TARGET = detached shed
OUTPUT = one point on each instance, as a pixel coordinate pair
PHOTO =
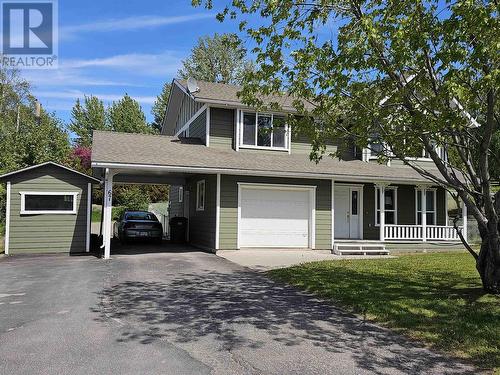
(49, 210)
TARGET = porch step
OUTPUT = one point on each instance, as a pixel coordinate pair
(359, 248)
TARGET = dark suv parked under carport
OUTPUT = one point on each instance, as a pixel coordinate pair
(138, 225)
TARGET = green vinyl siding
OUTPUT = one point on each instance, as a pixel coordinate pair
(176, 207)
(229, 207)
(222, 134)
(302, 145)
(187, 110)
(47, 233)
(202, 223)
(198, 128)
(221, 128)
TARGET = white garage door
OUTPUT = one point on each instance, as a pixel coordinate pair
(275, 217)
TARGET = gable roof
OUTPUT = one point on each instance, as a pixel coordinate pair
(5, 176)
(223, 93)
(217, 94)
(159, 152)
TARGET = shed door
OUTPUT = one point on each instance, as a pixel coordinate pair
(275, 218)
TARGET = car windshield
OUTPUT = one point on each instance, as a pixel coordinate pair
(140, 216)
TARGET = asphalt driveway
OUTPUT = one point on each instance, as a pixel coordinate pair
(184, 313)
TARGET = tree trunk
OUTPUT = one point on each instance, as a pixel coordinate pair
(488, 262)
(488, 265)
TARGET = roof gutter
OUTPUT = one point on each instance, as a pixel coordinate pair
(252, 172)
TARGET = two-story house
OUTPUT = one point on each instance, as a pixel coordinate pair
(244, 180)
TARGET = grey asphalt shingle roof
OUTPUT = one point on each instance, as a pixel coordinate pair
(210, 91)
(160, 150)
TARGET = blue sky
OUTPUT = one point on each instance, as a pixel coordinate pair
(109, 48)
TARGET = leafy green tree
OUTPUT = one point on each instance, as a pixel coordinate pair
(221, 58)
(25, 138)
(159, 107)
(126, 115)
(87, 117)
(407, 74)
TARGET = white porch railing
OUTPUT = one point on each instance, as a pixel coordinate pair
(415, 232)
(441, 232)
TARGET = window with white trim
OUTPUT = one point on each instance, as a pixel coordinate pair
(430, 206)
(180, 193)
(391, 205)
(262, 130)
(34, 203)
(200, 195)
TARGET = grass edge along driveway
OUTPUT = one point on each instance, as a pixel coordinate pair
(435, 298)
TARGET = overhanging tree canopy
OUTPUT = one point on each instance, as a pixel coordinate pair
(408, 74)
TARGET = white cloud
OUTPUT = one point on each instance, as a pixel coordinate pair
(74, 94)
(71, 77)
(129, 23)
(163, 64)
(108, 71)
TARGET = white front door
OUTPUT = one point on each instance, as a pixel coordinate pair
(347, 212)
(274, 217)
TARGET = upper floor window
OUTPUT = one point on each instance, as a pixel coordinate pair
(376, 148)
(261, 130)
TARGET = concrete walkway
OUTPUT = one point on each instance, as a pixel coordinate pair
(266, 259)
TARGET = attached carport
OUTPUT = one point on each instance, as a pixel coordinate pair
(112, 174)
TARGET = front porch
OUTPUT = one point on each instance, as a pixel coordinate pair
(409, 213)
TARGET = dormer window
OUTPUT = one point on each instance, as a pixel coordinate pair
(263, 130)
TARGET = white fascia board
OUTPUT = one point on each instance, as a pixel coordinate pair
(49, 163)
(244, 172)
(183, 89)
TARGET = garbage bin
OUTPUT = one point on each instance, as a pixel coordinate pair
(178, 229)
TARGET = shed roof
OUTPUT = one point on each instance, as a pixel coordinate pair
(111, 149)
(6, 176)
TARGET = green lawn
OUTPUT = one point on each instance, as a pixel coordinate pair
(436, 298)
(96, 216)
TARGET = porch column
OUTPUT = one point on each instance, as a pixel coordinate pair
(424, 213)
(381, 219)
(464, 220)
(217, 214)
(108, 203)
(332, 211)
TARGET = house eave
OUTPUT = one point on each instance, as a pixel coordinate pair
(261, 173)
